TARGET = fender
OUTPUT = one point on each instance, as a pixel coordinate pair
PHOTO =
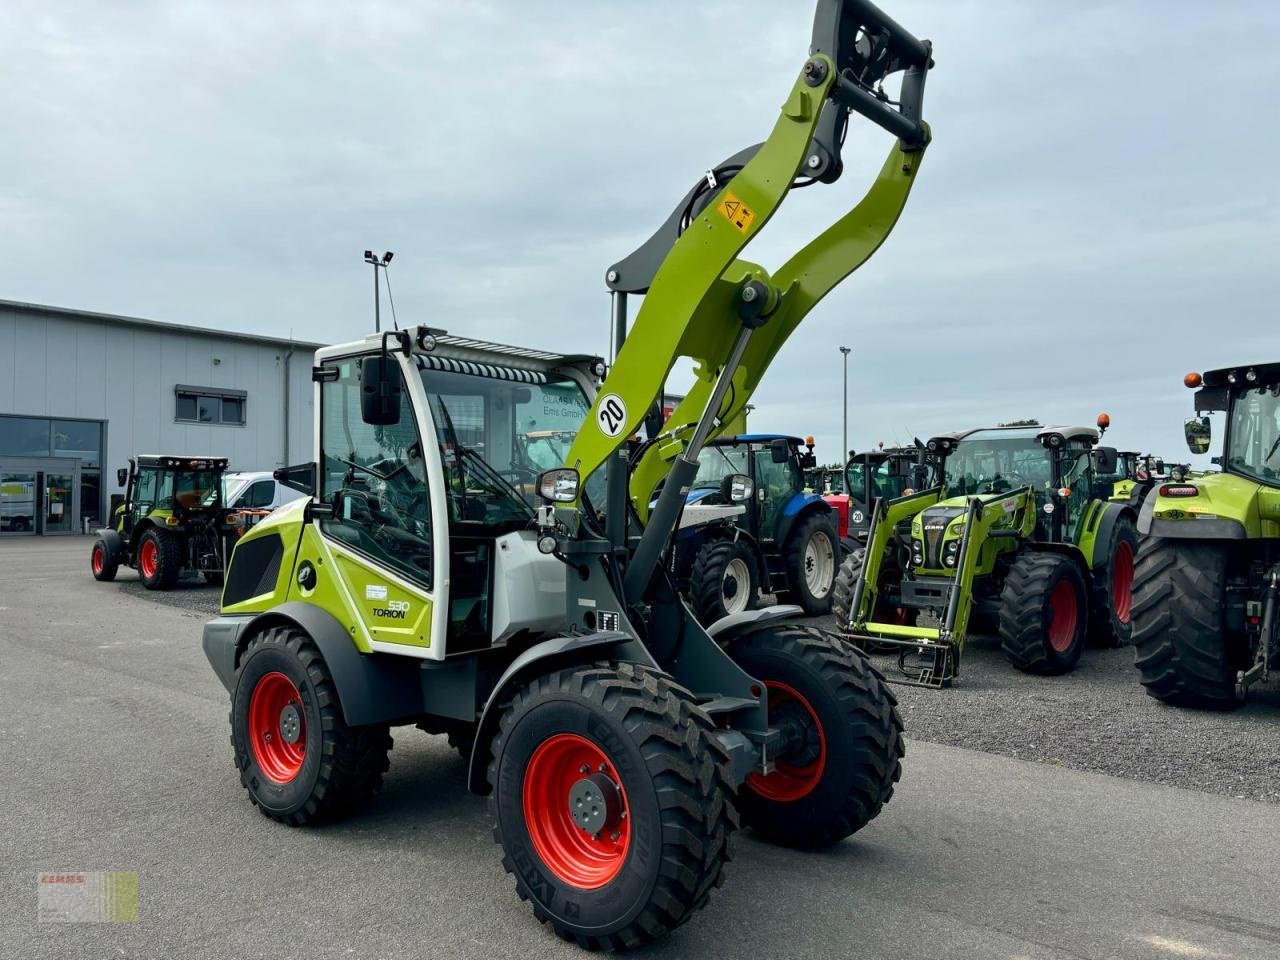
(1220, 529)
(115, 545)
(1112, 513)
(749, 621)
(1069, 550)
(372, 688)
(539, 659)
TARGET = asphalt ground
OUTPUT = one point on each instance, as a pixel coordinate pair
(116, 758)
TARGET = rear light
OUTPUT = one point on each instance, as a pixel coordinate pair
(171, 521)
(234, 519)
(1179, 490)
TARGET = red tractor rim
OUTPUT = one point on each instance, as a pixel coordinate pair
(556, 770)
(277, 728)
(97, 559)
(1122, 581)
(1064, 614)
(789, 783)
(147, 557)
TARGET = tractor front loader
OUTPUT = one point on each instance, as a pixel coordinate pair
(439, 578)
(1020, 535)
(1206, 614)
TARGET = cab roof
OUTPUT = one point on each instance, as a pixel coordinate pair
(1265, 372)
(758, 438)
(181, 461)
(1087, 434)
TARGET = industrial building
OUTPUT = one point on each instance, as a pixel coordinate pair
(80, 392)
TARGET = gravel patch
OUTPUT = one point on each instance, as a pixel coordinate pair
(1098, 718)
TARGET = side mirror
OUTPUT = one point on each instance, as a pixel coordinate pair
(808, 461)
(1198, 431)
(779, 451)
(122, 477)
(379, 391)
(737, 488)
(300, 477)
(1104, 459)
(560, 485)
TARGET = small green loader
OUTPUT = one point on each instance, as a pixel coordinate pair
(425, 584)
(1019, 536)
(172, 520)
(1207, 583)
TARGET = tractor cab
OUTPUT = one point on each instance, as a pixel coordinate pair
(172, 519)
(884, 473)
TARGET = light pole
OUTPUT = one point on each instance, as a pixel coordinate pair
(844, 450)
(377, 293)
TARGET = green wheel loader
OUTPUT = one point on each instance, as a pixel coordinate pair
(437, 578)
(1208, 573)
(1019, 538)
(172, 520)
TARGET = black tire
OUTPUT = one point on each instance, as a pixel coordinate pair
(1111, 606)
(846, 582)
(818, 529)
(167, 566)
(341, 767)
(1180, 646)
(849, 773)
(212, 577)
(1042, 630)
(715, 580)
(102, 563)
(661, 749)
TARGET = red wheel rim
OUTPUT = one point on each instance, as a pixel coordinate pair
(147, 558)
(276, 717)
(575, 856)
(1122, 581)
(97, 559)
(789, 783)
(1064, 614)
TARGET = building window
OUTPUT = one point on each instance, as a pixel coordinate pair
(209, 405)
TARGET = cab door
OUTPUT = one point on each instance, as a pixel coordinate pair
(379, 543)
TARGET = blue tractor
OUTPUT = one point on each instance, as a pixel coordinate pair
(781, 539)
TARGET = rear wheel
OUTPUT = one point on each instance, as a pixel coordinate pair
(101, 561)
(296, 755)
(159, 562)
(844, 746)
(1182, 651)
(723, 580)
(610, 801)
(1111, 615)
(812, 558)
(1043, 612)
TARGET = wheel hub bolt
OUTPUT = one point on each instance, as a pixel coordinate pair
(595, 804)
(290, 724)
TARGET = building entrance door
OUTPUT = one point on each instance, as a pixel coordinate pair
(39, 495)
(17, 503)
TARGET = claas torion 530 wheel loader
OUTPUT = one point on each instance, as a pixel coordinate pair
(436, 578)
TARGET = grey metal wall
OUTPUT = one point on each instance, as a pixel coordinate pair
(102, 369)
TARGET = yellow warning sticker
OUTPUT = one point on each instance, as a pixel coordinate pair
(736, 212)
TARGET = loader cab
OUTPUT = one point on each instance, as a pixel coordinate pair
(441, 492)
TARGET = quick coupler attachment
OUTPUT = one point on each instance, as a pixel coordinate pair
(922, 661)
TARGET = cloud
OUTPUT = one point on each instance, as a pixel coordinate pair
(1097, 215)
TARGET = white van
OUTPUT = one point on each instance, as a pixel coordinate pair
(255, 491)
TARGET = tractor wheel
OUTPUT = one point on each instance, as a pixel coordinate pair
(611, 803)
(812, 559)
(844, 737)
(101, 562)
(1110, 616)
(1043, 612)
(159, 561)
(213, 577)
(842, 599)
(296, 755)
(723, 580)
(1181, 647)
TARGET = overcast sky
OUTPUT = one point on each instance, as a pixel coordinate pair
(1098, 214)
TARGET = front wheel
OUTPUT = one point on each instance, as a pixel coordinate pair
(812, 557)
(1044, 609)
(843, 737)
(101, 561)
(610, 800)
(723, 580)
(296, 755)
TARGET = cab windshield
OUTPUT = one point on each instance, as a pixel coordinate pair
(496, 435)
(997, 465)
(1253, 433)
(718, 462)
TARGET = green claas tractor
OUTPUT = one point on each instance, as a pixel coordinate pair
(620, 742)
(1134, 477)
(1208, 576)
(1018, 536)
(172, 520)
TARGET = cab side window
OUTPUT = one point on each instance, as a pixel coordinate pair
(375, 479)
